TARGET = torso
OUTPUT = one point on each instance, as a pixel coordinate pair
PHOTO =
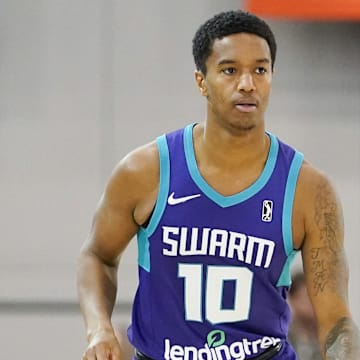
(162, 262)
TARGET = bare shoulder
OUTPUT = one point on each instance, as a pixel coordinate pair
(316, 192)
(315, 195)
(135, 178)
(312, 176)
(142, 161)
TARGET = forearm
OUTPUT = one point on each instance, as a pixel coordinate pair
(97, 286)
(343, 341)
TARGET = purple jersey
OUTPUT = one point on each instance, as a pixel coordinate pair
(214, 270)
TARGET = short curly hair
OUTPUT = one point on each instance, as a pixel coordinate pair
(224, 24)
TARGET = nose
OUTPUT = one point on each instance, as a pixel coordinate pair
(246, 83)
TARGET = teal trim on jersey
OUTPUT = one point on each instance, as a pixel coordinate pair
(164, 183)
(226, 201)
(289, 201)
(285, 277)
(143, 249)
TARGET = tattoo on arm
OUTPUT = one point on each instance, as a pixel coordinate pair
(343, 341)
(319, 269)
(327, 259)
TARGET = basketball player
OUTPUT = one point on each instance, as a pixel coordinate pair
(220, 208)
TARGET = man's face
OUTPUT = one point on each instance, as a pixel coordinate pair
(238, 80)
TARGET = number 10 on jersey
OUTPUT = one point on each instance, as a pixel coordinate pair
(213, 290)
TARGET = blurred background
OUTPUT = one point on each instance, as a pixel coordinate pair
(83, 82)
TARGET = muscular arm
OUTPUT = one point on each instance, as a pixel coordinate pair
(326, 268)
(112, 229)
(127, 202)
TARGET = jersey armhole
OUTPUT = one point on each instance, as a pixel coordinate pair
(285, 276)
(144, 233)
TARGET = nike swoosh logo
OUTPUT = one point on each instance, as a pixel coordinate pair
(174, 201)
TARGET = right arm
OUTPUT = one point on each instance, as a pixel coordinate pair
(126, 203)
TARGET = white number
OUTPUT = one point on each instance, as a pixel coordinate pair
(216, 276)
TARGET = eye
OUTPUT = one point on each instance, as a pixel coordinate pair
(229, 70)
(261, 70)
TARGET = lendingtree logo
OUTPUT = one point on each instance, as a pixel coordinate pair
(215, 338)
(215, 348)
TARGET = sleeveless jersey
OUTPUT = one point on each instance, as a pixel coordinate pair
(214, 270)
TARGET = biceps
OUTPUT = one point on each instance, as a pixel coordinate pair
(111, 232)
(323, 250)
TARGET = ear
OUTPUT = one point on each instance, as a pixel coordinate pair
(201, 82)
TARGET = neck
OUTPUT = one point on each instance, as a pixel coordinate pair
(235, 147)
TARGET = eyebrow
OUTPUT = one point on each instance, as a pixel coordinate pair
(263, 60)
(228, 61)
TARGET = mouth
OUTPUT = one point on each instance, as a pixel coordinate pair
(246, 106)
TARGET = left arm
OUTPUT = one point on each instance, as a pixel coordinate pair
(325, 266)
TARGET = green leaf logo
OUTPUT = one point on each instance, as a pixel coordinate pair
(215, 338)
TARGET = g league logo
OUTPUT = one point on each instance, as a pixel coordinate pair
(267, 211)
